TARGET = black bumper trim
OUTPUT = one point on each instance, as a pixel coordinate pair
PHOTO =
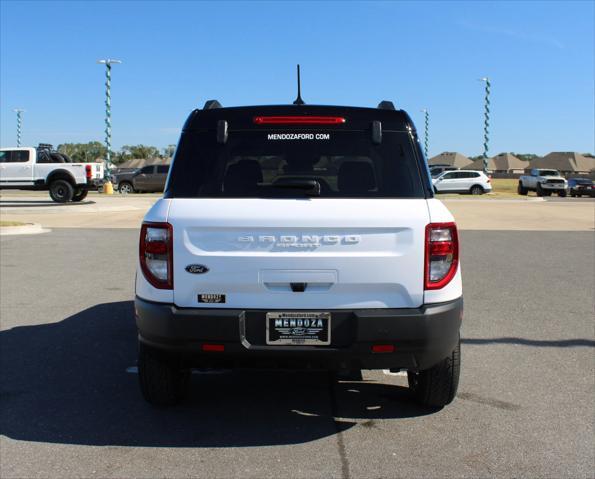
(421, 336)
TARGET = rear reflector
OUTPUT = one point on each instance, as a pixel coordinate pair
(299, 120)
(383, 348)
(219, 348)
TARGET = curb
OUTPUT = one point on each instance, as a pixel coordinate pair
(27, 229)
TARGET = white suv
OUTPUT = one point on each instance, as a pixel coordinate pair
(299, 237)
(463, 181)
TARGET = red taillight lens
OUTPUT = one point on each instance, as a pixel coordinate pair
(442, 254)
(89, 171)
(299, 120)
(156, 254)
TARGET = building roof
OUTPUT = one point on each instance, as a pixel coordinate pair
(564, 161)
(451, 159)
(502, 161)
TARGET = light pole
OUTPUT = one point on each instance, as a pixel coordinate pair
(426, 130)
(108, 111)
(19, 112)
(486, 124)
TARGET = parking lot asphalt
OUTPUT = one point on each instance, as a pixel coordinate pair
(471, 213)
(70, 404)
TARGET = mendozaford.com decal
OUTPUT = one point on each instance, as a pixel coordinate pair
(299, 136)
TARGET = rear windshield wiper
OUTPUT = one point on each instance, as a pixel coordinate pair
(309, 187)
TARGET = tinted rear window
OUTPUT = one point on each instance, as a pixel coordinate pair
(261, 164)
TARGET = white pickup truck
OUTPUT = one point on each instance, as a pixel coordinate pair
(543, 182)
(43, 169)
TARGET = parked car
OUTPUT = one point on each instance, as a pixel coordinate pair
(42, 168)
(299, 237)
(146, 179)
(581, 186)
(437, 170)
(543, 182)
(462, 181)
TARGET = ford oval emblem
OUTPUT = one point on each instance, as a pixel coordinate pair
(197, 268)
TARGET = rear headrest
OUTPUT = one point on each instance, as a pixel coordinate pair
(356, 177)
(243, 177)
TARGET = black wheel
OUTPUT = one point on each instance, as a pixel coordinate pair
(80, 195)
(61, 191)
(164, 381)
(437, 386)
(562, 194)
(476, 190)
(125, 188)
(539, 190)
(573, 195)
(521, 190)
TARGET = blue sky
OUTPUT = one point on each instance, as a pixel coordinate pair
(539, 56)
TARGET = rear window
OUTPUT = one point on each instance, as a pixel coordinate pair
(269, 164)
(15, 156)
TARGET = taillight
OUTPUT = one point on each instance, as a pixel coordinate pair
(89, 171)
(442, 254)
(299, 120)
(156, 254)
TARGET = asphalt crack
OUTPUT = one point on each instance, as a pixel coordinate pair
(345, 473)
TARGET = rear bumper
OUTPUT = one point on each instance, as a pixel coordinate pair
(421, 336)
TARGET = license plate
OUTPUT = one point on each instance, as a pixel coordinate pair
(298, 328)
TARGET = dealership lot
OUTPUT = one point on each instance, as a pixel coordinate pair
(70, 405)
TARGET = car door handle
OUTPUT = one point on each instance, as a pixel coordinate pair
(26, 167)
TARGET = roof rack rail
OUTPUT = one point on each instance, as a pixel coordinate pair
(211, 104)
(386, 105)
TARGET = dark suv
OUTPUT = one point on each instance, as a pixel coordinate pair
(146, 179)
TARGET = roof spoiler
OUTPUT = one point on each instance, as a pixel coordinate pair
(386, 105)
(211, 105)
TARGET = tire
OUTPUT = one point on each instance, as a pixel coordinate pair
(539, 190)
(562, 194)
(80, 195)
(521, 190)
(163, 380)
(126, 188)
(437, 386)
(476, 190)
(574, 195)
(61, 191)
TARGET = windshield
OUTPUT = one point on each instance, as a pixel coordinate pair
(270, 164)
(548, 173)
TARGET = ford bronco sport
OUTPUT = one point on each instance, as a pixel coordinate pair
(299, 236)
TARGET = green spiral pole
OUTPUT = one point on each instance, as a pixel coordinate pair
(486, 124)
(108, 112)
(426, 130)
(19, 113)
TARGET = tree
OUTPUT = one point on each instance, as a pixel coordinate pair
(133, 152)
(84, 152)
(168, 151)
(525, 156)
